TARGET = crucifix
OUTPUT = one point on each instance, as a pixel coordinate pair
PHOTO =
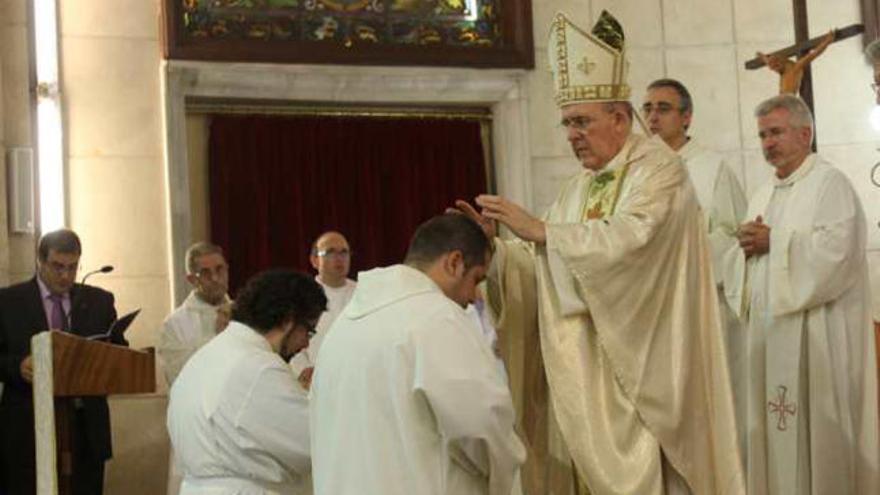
(799, 79)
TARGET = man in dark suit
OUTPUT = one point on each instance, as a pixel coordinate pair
(51, 300)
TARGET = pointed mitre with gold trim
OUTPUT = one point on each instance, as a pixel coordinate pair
(588, 67)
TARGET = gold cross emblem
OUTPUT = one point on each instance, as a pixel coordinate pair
(586, 66)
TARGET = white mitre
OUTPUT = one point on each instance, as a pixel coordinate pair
(588, 67)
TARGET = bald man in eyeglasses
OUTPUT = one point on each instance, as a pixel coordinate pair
(331, 258)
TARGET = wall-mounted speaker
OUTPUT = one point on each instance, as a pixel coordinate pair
(20, 190)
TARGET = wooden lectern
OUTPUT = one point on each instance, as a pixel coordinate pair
(68, 366)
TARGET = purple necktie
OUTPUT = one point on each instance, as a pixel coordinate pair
(59, 319)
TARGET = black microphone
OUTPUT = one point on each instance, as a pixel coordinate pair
(74, 303)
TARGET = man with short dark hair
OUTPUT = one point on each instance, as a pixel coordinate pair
(236, 420)
(799, 281)
(51, 300)
(406, 397)
(668, 110)
(197, 320)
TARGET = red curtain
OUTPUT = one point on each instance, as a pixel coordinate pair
(276, 183)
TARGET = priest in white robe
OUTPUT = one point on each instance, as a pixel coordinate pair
(799, 280)
(406, 398)
(668, 110)
(197, 320)
(626, 301)
(202, 315)
(331, 258)
(236, 418)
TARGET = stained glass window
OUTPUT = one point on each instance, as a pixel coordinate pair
(347, 23)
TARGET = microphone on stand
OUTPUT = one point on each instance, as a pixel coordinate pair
(74, 302)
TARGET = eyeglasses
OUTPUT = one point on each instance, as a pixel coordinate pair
(310, 327)
(578, 122)
(212, 274)
(333, 253)
(660, 108)
(61, 268)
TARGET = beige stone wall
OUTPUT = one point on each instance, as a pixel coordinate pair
(116, 184)
(197, 129)
(16, 250)
(113, 121)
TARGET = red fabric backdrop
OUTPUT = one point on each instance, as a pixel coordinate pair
(276, 183)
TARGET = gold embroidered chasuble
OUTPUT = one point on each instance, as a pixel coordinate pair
(629, 327)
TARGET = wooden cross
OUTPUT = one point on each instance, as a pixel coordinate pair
(802, 45)
(781, 408)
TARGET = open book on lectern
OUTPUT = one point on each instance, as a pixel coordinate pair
(117, 327)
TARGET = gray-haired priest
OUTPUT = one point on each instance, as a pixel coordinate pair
(799, 280)
(626, 303)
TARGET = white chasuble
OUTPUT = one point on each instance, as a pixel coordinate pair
(811, 403)
(407, 398)
(630, 329)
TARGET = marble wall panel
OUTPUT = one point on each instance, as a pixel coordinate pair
(645, 66)
(13, 12)
(549, 176)
(16, 85)
(111, 91)
(769, 23)
(119, 18)
(641, 19)
(546, 137)
(544, 10)
(710, 74)
(842, 95)
(697, 22)
(755, 86)
(116, 206)
(823, 15)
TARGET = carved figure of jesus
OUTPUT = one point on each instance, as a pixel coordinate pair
(791, 73)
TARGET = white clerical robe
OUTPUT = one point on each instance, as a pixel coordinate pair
(812, 379)
(406, 399)
(630, 329)
(720, 195)
(724, 205)
(237, 421)
(337, 299)
(184, 331)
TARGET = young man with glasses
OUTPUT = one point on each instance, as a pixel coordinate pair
(331, 258)
(237, 422)
(51, 300)
(668, 110)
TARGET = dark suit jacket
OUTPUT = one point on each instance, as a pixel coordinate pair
(21, 316)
